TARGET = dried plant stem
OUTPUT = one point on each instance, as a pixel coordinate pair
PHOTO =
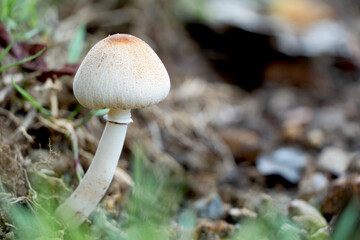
(65, 127)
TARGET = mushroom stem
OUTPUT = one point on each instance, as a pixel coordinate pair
(98, 177)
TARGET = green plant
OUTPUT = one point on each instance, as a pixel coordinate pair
(22, 17)
(270, 224)
(6, 50)
(70, 135)
(45, 112)
(76, 45)
(153, 202)
(147, 212)
(348, 225)
(28, 59)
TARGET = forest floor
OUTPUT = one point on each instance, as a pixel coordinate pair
(280, 161)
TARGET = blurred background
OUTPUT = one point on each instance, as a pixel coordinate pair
(263, 108)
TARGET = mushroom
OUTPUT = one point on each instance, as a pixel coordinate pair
(121, 72)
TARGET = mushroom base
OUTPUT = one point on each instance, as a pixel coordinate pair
(97, 178)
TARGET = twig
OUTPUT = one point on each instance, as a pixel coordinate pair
(23, 127)
(65, 127)
(10, 115)
(32, 192)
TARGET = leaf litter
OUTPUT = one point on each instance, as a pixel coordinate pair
(188, 134)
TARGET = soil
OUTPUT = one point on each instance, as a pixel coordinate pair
(228, 108)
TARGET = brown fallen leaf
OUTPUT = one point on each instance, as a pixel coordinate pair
(213, 230)
(22, 50)
(341, 192)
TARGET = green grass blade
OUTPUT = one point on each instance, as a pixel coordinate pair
(97, 112)
(76, 45)
(27, 96)
(22, 61)
(348, 221)
(7, 49)
(74, 113)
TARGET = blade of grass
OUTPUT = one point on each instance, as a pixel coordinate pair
(97, 112)
(31, 33)
(348, 220)
(22, 61)
(27, 96)
(74, 113)
(76, 45)
(7, 49)
(79, 171)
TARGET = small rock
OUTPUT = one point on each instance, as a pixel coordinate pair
(316, 138)
(213, 230)
(330, 118)
(354, 166)
(236, 214)
(300, 115)
(281, 100)
(341, 191)
(293, 131)
(244, 144)
(286, 162)
(210, 207)
(314, 188)
(334, 160)
(291, 157)
(295, 121)
(314, 183)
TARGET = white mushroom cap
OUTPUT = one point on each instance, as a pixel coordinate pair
(121, 72)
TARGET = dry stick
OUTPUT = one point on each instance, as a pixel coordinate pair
(4, 92)
(33, 113)
(31, 190)
(29, 119)
(65, 127)
(26, 199)
(54, 88)
(54, 104)
(79, 171)
(10, 115)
